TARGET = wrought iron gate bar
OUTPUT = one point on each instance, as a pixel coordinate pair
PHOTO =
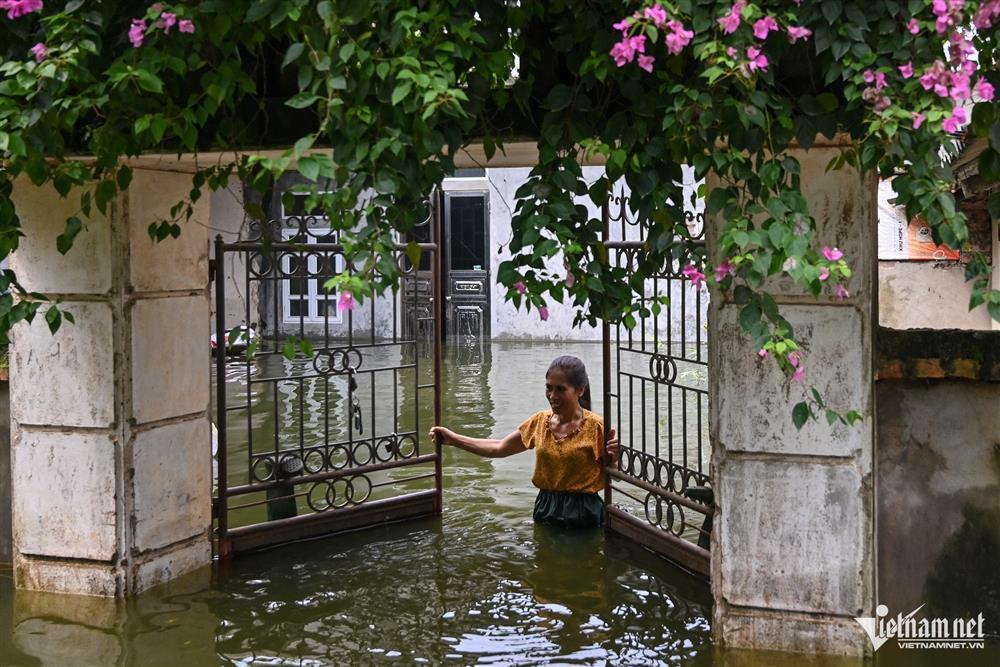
(314, 461)
(322, 477)
(658, 398)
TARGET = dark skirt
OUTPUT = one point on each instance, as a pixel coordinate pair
(564, 508)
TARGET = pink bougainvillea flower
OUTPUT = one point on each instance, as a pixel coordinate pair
(570, 279)
(638, 43)
(869, 76)
(520, 287)
(793, 359)
(656, 14)
(137, 33)
(731, 21)
(985, 90)
(842, 292)
(723, 270)
(763, 26)
(918, 120)
(40, 51)
(987, 15)
(795, 33)
(346, 301)
(166, 22)
(824, 273)
(18, 8)
(543, 313)
(692, 273)
(646, 63)
(906, 69)
(732, 52)
(758, 61)
(799, 374)
(186, 25)
(622, 25)
(960, 88)
(913, 26)
(832, 254)
(678, 37)
(622, 52)
(956, 121)
(763, 354)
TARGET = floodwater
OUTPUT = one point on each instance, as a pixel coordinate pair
(480, 585)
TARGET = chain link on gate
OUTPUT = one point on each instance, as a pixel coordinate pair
(656, 394)
(329, 440)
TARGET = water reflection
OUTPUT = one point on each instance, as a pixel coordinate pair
(482, 585)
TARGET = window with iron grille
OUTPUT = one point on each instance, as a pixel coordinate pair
(303, 297)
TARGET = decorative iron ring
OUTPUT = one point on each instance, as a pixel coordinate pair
(662, 369)
(315, 503)
(256, 473)
(358, 446)
(406, 446)
(338, 500)
(389, 446)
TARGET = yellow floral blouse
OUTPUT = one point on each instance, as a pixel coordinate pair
(572, 463)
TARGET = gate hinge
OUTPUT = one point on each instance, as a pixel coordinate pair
(211, 270)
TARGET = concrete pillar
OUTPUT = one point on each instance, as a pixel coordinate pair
(793, 545)
(110, 423)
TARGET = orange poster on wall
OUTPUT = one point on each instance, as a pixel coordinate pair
(899, 238)
(922, 246)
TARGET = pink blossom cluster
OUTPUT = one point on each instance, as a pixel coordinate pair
(987, 15)
(18, 8)
(694, 274)
(874, 94)
(948, 13)
(763, 26)
(40, 51)
(731, 21)
(677, 38)
(796, 363)
(166, 21)
(796, 32)
(345, 301)
(632, 47)
(724, 270)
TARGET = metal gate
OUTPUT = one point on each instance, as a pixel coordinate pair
(656, 392)
(330, 440)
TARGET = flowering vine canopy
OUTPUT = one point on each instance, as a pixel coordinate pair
(383, 94)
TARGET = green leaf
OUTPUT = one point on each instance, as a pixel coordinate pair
(292, 54)
(54, 318)
(65, 240)
(800, 414)
(559, 97)
(402, 89)
(302, 100)
(750, 316)
(149, 81)
(832, 417)
(413, 252)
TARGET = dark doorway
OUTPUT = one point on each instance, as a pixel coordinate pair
(467, 271)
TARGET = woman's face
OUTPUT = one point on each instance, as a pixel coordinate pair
(560, 392)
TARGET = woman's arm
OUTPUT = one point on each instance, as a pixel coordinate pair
(493, 449)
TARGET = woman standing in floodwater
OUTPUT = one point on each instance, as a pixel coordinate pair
(568, 440)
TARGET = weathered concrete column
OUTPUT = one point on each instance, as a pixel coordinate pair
(793, 544)
(110, 424)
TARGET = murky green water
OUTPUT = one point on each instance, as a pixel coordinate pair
(482, 585)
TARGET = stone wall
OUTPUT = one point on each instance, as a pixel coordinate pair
(938, 472)
(110, 428)
(793, 541)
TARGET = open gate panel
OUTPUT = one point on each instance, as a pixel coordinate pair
(329, 440)
(656, 396)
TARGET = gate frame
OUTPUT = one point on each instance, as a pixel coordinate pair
(690, 557)
(366, 514)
